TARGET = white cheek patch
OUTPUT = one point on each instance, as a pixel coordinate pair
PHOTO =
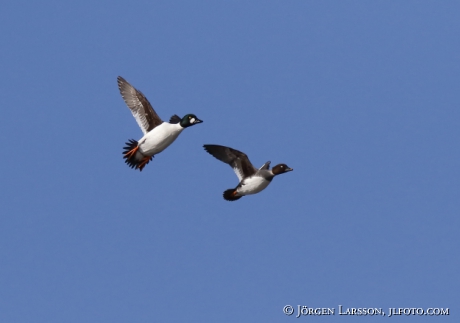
(192, 120)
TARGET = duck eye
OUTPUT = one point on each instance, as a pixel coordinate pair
(190, 117)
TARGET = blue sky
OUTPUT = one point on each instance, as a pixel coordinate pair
(361, 98)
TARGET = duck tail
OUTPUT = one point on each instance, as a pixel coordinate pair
(230, 195)
(133, 157)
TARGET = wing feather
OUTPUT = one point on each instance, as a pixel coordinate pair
(175, 119)
(237, 160)
(140, 107)
(265, 166)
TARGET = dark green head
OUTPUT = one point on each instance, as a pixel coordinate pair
(189, 120)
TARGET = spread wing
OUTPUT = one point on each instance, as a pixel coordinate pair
(174, 119)
(236, 159)
(140, 107)
(265, 166)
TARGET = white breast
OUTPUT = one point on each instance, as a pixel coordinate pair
(253, 185)
(159, 138)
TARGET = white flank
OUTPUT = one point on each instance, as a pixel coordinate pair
(159, 138)
(253, 185)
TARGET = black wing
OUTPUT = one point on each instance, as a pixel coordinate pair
(175, 119)
(140, 107)
(238, 160)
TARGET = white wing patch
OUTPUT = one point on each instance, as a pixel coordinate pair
(238, 172)
(139, 116)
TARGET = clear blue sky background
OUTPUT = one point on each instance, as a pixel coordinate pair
(361, 98)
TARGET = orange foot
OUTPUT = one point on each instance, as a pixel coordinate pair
(131, 153)
(144, 162)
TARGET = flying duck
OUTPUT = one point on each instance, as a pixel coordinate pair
(158, 135)
(252, 180)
